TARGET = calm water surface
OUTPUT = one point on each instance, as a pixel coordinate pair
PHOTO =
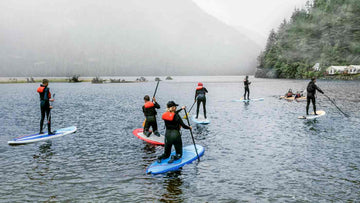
(257, 152)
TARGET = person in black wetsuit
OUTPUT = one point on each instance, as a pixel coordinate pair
(149, 110)
(45, 98)
(173, 122)
(246, 86)
(200, 98)
(311, 90)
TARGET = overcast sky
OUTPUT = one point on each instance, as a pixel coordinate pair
(259, 16)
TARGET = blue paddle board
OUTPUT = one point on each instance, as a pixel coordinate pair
(41, 137)
(189, 155)
(200, 120)
(245, 100)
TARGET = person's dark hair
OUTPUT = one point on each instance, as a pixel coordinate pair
(313, 78)
(147, 98)
(45, 81)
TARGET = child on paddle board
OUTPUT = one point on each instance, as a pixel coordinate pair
(311, 90)
(149, 110)
(200, 98)
(173, 122)
(45, 98)
(246, 86)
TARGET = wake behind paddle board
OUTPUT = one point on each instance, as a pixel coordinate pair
(152, 139)
(200, 120)
(42, 137)
(246, 100)
(189, 155)
(312, 115)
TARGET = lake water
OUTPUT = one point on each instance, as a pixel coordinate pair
(256, 152)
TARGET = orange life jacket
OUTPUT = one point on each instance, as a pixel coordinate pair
(149, 104)
(41, 90)
(168, 116)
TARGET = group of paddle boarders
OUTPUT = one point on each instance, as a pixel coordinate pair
(173, 122)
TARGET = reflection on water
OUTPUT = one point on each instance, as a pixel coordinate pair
(173, 183)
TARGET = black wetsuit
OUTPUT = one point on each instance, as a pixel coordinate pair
(173, 136)
(200, 98)
(311, 90)
(246, 86)
(150, 115)
(45, 107)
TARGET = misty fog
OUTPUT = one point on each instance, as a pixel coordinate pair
(118, 37)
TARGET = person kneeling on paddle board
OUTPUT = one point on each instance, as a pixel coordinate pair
(246, 86)
(200, 98)
(311, 90)
(289, 93)
(45, 98)
(150, 115)
(173, 122)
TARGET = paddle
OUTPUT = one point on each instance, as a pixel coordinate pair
(151, 99)
(186, 115)
(192, 136)
(346, 115)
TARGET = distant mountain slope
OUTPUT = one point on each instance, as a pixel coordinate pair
(327, 32)
(118, 37)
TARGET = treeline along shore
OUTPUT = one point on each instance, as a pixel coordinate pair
(322, 35)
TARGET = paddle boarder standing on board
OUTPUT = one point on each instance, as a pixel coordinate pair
(246, 86)
(173, 122)
(311, 90)
(149, 110)
(45, 98)
(200, 98)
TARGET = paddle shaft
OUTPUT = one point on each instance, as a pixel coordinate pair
(156, 88)
(192, 136)
(336, 105)
(192, 106)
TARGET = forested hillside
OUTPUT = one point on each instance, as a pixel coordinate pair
(325, 32)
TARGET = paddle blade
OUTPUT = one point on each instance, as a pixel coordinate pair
(185, 117)
(143, 125)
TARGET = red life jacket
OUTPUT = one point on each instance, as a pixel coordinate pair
(289, 94)
(149, 104)
(168, 116)
(41, 90)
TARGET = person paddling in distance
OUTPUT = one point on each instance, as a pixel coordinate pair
(173, 122)
(200, 98)
(149, 110)
(311, 90)
(45, 98)
(289, 93)
(246, 86)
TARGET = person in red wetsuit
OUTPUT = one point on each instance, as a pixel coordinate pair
(200, 98)
(45, 98)
(149, 110)
(173, 123)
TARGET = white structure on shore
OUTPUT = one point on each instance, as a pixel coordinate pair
(353, 69)
(316, 67)
(332, 70)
